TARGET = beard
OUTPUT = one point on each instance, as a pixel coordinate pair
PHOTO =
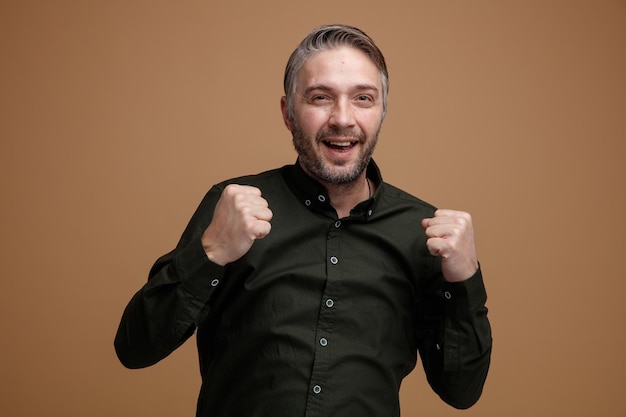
(330, 171)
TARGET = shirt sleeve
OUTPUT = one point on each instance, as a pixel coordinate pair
(456, 347)
(165, 311)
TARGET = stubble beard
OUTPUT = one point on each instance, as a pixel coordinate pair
(330, 172)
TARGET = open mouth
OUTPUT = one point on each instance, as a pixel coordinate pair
(340, 146)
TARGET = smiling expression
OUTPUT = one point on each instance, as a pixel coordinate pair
(338, 113)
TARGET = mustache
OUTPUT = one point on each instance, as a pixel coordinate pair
(330, 134)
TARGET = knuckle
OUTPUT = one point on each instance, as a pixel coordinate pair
(230, 189)
(249, 224)
(240, 201)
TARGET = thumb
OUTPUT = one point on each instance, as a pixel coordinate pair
(261, 229)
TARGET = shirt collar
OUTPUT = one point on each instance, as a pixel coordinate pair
(314, 196)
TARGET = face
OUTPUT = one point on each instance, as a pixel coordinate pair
(338, 112)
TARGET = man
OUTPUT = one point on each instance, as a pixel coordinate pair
(312, 287)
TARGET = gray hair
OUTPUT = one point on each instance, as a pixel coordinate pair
(327, 37)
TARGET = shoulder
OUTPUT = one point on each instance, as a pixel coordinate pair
(392, 196)
(265, 178)
(267, 181)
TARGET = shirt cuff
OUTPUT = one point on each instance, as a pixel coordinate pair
(464, 297)
(199, 276)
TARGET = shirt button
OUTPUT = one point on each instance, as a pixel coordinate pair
(338, 224)
(369, 212)
(334, 260)
(321, 198)
(215, 282)
(330, 303)
(307, 203)
(317, 389)
(323, 341)
(447, 295)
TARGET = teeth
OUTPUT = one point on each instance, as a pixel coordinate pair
(341, 143)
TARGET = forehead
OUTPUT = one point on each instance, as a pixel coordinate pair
(339, 67)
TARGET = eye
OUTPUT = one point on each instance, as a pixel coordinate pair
(318, 99)
(364, 100)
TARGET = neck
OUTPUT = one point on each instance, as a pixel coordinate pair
(344, 197)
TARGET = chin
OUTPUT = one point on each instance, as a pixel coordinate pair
(344, 175)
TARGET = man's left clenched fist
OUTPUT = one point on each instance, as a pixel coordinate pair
(450, 235)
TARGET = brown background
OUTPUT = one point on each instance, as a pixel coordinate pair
(117, 116)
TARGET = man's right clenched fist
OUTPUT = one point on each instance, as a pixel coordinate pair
(241, 216)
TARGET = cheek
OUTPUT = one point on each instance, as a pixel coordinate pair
(370, 124)
(312, 121)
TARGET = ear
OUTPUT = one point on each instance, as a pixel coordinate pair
(285, 111)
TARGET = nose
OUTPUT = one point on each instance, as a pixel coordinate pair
(342, 114)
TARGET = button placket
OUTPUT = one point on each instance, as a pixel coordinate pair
(324, 329)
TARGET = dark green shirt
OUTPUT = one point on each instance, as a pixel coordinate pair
(322, 317)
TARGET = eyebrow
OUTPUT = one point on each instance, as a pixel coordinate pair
(325, 88)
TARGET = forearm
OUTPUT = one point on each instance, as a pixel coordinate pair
(164, 313)
(457, 360)
(151, 328)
